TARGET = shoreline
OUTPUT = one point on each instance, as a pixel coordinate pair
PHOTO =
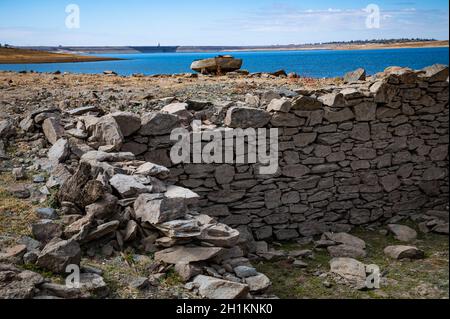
(23, 56)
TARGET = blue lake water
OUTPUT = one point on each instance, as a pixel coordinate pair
(306, 63)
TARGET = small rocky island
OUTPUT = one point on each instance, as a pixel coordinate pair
(218, 65)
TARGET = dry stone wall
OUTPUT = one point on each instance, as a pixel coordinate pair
(365, 153)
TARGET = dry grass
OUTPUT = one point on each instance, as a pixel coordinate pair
(16, 215)
(427, 278)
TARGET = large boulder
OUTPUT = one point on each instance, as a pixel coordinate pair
(217, 65)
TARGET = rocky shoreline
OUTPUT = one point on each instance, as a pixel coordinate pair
(359, 150)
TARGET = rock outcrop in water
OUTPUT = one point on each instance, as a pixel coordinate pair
(217, 65)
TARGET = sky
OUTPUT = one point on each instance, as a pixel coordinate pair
(211, 22)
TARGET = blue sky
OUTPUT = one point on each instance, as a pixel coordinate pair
(210, 22)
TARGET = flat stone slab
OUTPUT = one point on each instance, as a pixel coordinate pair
(213, 288)
(181, 254)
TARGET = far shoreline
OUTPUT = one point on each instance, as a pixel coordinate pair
(24, 56)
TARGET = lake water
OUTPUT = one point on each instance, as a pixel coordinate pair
(306, 63)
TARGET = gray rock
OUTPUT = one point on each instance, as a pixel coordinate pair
(156, 208)
(58, 254)
(436, 73)
(139, 283)
(180, 229)
(129, 186)
(224, 174)
(213, 288)
(403, 233)
(296, 171)
(390, 182)
(59, 151)
(130, 231)
(47, 213)
(355, 76)
(441, 229)
(129, 123)
(13, 255)
(18, 284)
(7, 128)
(286, 120)
(365, 111)
(332, 100)
(154, 170)
(304, 139)
(306, 103)
(182, 194)
(245, 272)
(19, 191)
(106, 132)
(346, 251)
(52, 129)
(245, 117)
(258, 283)
(220, 235)
(102, 230)
(346, 239)
(279, 105)
(402, 252)
(45, 230)
(187, 271)
(351, 270)
(154, 124)
(184, 254)
(83, 110)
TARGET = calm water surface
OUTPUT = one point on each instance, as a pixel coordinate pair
(306, 63)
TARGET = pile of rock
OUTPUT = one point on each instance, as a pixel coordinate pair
(110, 201)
